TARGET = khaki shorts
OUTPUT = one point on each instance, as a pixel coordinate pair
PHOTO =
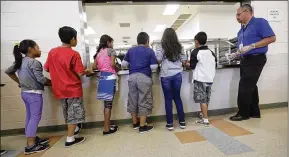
(73, 110)
(140, 99)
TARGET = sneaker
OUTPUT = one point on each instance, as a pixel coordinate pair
(200, 115)
(201, 121)
(170, 127)
(136, 126)
(77, 140)
(182, 125)
(111, 131)
(37, 147)
(145, 129)
(41, 140)
(3, 152)
(113, 126)
(80, 127)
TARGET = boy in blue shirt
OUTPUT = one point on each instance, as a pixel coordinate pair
(141, 60)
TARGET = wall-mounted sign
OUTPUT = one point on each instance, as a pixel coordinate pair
(274, 15)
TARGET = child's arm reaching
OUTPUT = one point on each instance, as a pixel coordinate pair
(153, 60)
(159, 54)
(78, 67)
(38, 73)
(112, 55)
(183, 58)
(125, 62)
(94, 67)
(11, 72)
(194, 59)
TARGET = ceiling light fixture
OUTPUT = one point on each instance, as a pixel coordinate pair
(171, 9)
(160, 28)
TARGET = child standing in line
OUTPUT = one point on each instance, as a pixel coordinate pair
(170, 55)
(203, 62)
(141, 60)
(31, 80)
(65, 68)
(104, 61)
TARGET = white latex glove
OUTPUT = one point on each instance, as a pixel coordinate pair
(232, 56)
(246, 49)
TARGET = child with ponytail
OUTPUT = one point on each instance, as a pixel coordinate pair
(31, 80)
(104, 61)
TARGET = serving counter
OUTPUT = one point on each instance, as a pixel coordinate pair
(224, 93)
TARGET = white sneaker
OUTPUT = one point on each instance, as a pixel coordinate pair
(201, 122)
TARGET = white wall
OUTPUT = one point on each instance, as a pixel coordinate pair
(274, 79)
(40, 21)
(219, 24)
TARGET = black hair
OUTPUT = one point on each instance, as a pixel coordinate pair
(104, 39)
(247, 7)
(142, 38)
(201, 37)
(171, 45)
(22, 48)
(66, 34)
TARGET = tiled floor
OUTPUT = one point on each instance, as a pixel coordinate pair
(265, 137)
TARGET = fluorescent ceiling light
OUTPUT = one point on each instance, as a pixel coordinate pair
(160, 28)
(171, 9)
(89, 31)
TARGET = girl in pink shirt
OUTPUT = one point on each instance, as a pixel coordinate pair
(104, 61)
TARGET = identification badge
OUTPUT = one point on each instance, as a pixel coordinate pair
(241, 46)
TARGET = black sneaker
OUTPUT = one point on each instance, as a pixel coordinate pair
(182, 125)
(112, 126)
(80, 127)
(136, 126)
(37, 147)
(41, 140)
(144, 129)
(170, 127)
(111, 131)
(76, 141)
(3, 152)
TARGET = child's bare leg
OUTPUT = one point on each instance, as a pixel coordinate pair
(204, 108)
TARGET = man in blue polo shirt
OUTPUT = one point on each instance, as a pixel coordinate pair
(253, 39)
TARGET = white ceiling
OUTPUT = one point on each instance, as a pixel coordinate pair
(105, 19)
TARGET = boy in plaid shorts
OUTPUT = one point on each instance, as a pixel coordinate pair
(65, 68)
(203, 62)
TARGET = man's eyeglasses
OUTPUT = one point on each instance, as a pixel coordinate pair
(238, 14)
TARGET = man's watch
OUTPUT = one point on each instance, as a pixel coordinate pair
(253, 45)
